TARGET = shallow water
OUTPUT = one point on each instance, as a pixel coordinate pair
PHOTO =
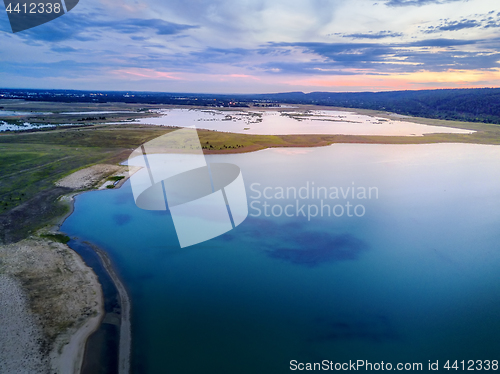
(4, 126)
(291, 122)
(413, 279)
(101, 350)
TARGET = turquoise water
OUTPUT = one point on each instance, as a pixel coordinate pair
(413, 279)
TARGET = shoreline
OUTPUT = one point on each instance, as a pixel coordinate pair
(70, 358)
(125, 335)
(125, 341)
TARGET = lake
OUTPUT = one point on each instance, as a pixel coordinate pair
(411, 277)
(293, 122)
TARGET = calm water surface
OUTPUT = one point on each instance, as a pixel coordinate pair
(292, 122)
(414, 279)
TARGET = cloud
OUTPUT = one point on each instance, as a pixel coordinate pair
(237, 22)
(65, 68)
(90, 27)
(442, 42)
(465, 23)
(62, 49)
(453, 26)
(381, 58)
(304, 68)
(455, 60)
(223, 55)
(378, 35)
(216, 43)
(399, 3)
(4, 23)
(344, 52)
(490, 24)
(134, 25)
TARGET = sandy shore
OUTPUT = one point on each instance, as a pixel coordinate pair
(89, 177)
(20, 331)
(69, 359)
(51, 302)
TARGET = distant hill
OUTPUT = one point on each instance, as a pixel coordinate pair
(475, 104)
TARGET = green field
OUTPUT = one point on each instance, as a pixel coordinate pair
(30, 163)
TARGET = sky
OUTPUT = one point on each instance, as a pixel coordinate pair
(258, 46)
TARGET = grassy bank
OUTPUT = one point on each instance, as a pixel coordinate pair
(30, 163)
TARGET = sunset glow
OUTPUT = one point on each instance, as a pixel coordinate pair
(273, 46)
